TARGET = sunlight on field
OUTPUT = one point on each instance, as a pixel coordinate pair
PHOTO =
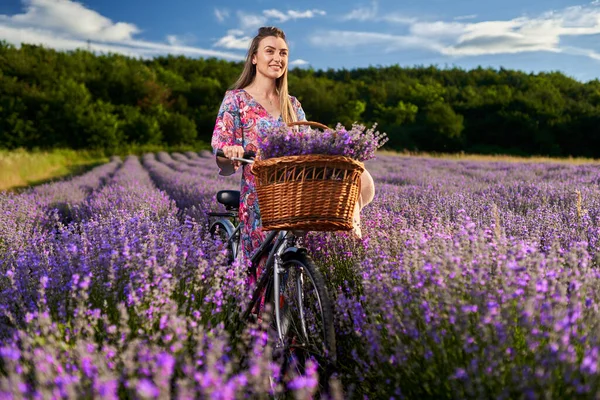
(22, 168)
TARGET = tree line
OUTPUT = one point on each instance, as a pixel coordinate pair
(80, 100)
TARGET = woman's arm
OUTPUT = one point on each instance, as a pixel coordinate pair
(227, 134)
(298, 109)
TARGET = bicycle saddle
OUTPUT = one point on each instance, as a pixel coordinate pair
(229, 198)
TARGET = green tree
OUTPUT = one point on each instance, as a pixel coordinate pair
(177, 129)
(78, 99)
(100, 127)
(140, 128)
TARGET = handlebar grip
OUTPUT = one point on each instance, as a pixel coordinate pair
(250, 155)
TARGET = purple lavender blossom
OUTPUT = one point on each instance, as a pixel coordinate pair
(473, 280)
(356, 143)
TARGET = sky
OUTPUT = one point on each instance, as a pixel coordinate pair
(531, 36)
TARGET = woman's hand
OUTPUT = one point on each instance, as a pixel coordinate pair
(234, 151)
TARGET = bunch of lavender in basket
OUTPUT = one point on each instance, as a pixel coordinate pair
(357, 143)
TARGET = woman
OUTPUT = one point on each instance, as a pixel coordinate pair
(257, 101)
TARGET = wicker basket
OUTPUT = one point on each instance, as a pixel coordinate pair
(309, 192)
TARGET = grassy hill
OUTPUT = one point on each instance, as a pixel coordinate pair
(20, 168)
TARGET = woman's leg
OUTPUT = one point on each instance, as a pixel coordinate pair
(366, 195)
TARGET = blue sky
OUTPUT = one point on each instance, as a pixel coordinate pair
(533, 36)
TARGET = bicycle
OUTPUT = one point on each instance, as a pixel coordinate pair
(292, 285)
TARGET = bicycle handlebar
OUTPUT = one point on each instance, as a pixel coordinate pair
(247, 158)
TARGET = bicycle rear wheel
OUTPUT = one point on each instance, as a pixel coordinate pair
(218, 231)
(306, 319)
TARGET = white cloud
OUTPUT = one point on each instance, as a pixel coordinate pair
(363, 13)
(582, 52)
(371, 14)
(69, 18)
(299, 62)
(507, 43)
(438, 29)
(172, 39)
(276, 14)
(522, 34)
(234, 39)
(251, 21)
(237, 32)
(593, 54)
(239, 39)
(395, 18)
(336, 38)
(221, 15)
(305, 14)
(470, 16)
(176, 40)
(281, 16)
(66, 25)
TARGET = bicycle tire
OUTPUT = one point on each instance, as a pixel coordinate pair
(316, 340)
(219, 231)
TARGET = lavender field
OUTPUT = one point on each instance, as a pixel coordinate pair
(474, 280)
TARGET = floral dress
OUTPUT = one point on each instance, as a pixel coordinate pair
(242, 121)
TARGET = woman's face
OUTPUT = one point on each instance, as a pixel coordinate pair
(271, 58)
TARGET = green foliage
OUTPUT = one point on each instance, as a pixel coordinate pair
(51, 99)
(178, 129)
(441, 120)
(100, 127)
(140, 128)
(401, 113)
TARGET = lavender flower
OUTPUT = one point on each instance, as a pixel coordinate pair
(474, 280)
(356, 143)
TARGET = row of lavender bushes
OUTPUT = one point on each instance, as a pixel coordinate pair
(126, 301)
(33, 213)
(473, 280)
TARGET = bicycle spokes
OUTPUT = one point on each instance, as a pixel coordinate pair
(301, 314)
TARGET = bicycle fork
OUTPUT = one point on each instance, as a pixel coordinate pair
(278, 271)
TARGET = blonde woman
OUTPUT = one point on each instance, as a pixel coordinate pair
(257, 101)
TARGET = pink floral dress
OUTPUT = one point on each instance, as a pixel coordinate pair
(241, 121)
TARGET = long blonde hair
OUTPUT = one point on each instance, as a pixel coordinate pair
(281, 84)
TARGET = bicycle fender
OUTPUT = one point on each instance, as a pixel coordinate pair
(228, 226)
(292, 251)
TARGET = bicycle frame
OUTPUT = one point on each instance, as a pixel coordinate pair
(275, 245)
(280, 248)
(281, 242)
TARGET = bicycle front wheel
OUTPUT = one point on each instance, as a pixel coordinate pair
(305, 329)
